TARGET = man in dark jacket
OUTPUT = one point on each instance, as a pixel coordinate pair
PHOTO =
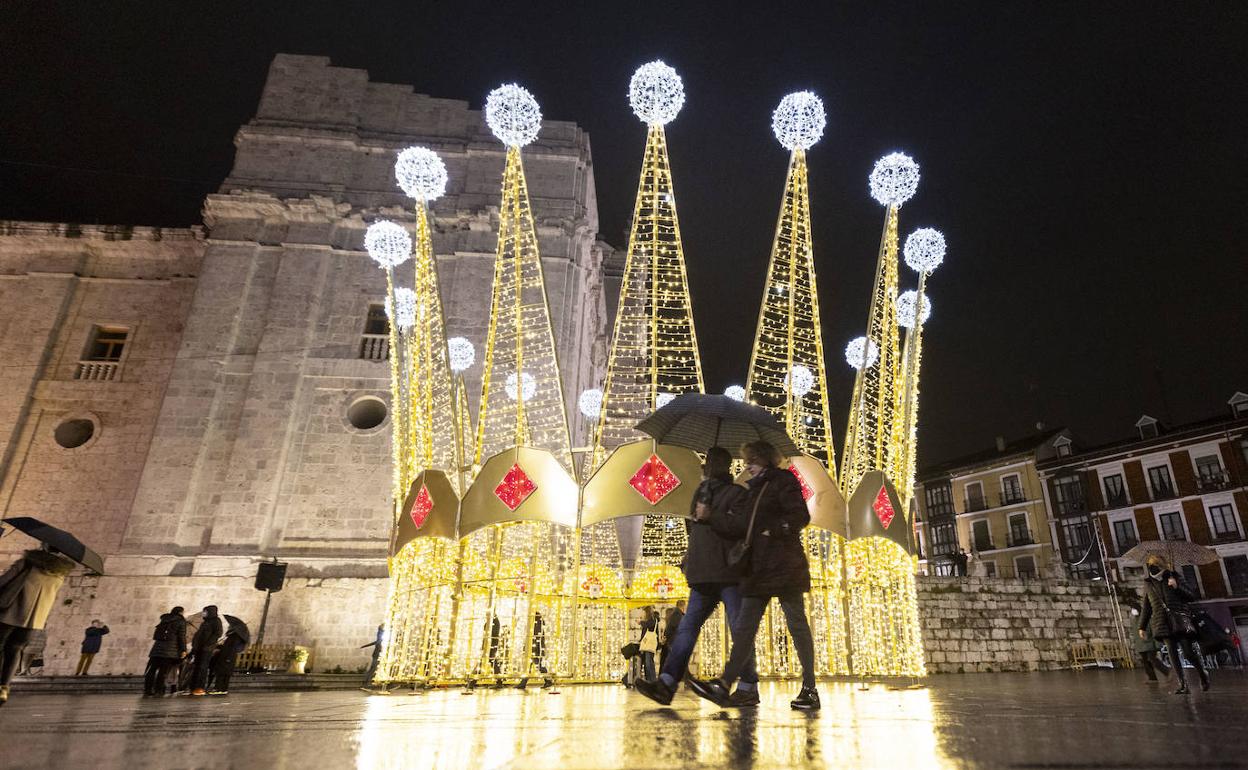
(710, 580)
(168, 650)
(225, 659)
(90, 646)
(203, 644)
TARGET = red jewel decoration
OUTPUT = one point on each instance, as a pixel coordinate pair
(807, 492)
(663, 586)
(654, 480)
(515, 488)
(883, 508)
(422, 506)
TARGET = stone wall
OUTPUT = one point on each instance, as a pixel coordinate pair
(1003, 624)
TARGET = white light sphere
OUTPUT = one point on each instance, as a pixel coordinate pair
(656, 93)
(894, 179)
(861, 353)
(461, 352)
(590, 403)
(512, 114)
(799, 120)
(404, 311)
(799, 380)
(388, 243)
(907, 304)
(925, 249)
(735, 392)
(421, 173)
(663, 399)
(529, 389)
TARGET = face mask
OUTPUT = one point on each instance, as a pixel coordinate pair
(1154, 571)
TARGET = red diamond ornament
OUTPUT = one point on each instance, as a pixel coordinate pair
(807, 492)
(422, 506)
(515, 487)
(883, 508)
(654, 480)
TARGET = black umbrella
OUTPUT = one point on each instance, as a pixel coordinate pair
(238, 628)
(58, 539)
(698, 421)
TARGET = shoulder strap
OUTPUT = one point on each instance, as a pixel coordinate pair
(749, 531)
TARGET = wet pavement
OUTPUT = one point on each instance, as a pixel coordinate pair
(1063, 720)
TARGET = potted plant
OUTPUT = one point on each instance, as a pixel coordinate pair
(297, 658)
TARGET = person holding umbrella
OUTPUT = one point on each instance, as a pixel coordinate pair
(27, 595)
(202, 646)
(225, 658)
(1166, 612)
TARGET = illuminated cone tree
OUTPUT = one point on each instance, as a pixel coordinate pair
(654, 350)
(883, 606)
(924, 251)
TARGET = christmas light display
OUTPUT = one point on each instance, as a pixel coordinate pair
(799, 120)
(861, 352)
(654, 349)
(528, 390)
(590, 403)
(402, 311)
(421, 174)
(735, 392)
(463, 354)
(799, 381)
(388, 243)
(513, 116)
(924, 252)
(907, 308)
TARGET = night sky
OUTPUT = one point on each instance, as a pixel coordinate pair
(1087, 162)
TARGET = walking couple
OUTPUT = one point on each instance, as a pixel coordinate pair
(768, 515)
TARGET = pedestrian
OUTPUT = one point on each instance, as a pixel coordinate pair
(770, 518)
(648, 643)
(168, 650)
(90, 646)
(225, 658)
(1167, 615)
(1146, 650)
(711, 582)
(537, 654)
(496, 651)
(960, 560)
(376, 644)
(203, 644)
(670, 625)
(1239, 651)
(27, 595)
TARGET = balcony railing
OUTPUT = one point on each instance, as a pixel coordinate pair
(1117, 501)
(944, 549)
(1020, 537)
(99, 371)
(985, 545)
(1212, 482)
(972, 504)
(1010, 497)
(374, 347)
(940, 510)
(1068, 507)
(1162, 492)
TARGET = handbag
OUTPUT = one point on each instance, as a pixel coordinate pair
(739, 554)
(1181, 623)
(630, 650)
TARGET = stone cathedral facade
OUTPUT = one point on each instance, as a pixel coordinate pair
(191, 402)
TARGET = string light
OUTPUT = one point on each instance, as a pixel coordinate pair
(799, 381)
(403, 314)
(462, 354)
(512, 114)
(861, 353)
(799, 120)
(590, 403)
(529, 389)
(387, 243)
(421, 174)
(735, 392)
(663, 399)
(924, 250)
(907, 305)
(656, 93)
(894, 179)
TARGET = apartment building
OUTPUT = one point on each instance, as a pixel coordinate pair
(1182, 482)
(990, 505)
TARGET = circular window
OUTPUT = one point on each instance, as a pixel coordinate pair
(72, 434)
(366, 413)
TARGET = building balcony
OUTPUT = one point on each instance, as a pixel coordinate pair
(1163, 492)
(374, 347)
(1072, 507)
(1013, 498)
(941, 511)
(943, 549)
(972, 505)
(1213, 482)
(98, 371)
(1019, 538)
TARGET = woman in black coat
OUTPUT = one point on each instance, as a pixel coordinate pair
(1166, 613)
(777, 568)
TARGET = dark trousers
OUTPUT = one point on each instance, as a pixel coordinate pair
(201, 661)
(223, 663)
(12, 641)
(703, 599)
(157, 675)
(745, 628)
(1191, 651)
(1152, 664)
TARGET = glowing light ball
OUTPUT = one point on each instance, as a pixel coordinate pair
(861, 353)
(735, 392)
(907, 303)
(461, 352)
(513, 116)
(421, 173)
(894, 179)
(388, 243)
(528, 390)
(663, 399)
(590, 403)
(656, 93)
(799, 380)
(924, 250)
(403, 314)
(799, 120)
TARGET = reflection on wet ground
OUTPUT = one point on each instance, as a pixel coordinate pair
(1068, 720)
